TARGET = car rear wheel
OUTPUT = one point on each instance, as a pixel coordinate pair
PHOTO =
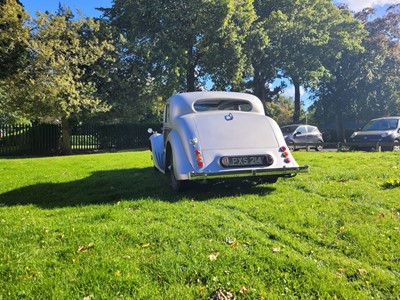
(319, 147)
(396, 147)
(291, 146)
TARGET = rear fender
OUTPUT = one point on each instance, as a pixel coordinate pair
(182, 165)
(157, 149)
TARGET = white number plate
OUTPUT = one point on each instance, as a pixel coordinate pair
(241, 161)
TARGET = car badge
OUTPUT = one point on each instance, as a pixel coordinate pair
(229, 117)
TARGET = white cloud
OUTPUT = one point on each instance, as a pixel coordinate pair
(289, 91)
(358, 5)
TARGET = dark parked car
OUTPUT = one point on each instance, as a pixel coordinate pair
(381, 130)
(298, 136)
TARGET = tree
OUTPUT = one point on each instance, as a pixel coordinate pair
(53, 86)
(13, 49)
(281, 110)
(13, 37)
(305, 37)
(380, 64)
(365, 85)
(179, 45)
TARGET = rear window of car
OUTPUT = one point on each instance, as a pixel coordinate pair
(381, 124)
(312, 129)
(288, 129)
(221, 104)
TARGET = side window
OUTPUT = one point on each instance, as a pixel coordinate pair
(311, 129)
(166, 114)
(392, 124)
(302, 129)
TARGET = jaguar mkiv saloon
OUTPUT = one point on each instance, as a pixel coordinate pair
(219, 135)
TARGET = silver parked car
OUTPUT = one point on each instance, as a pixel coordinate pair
(213, 135)
(381, 130)
(298, 136)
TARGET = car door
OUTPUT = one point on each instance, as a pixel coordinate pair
(312, 136)
(300, 135)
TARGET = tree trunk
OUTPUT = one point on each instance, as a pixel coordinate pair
(259, 86)
(190, 71)
(66, 128)
(296, 114)
(339, 123)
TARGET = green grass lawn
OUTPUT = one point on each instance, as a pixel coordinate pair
(107, 226)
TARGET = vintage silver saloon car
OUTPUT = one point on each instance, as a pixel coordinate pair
(215, 135)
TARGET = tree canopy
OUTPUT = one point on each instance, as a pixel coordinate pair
(53, 85)
(57, 67)
(306, 37)
(181, 44)
(365, 85)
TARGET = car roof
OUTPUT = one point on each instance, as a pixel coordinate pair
(386, 118)
(297, 125)
(182, 103)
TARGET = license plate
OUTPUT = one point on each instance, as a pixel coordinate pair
(242, 161)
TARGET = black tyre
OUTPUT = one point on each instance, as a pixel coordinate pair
(396, 147)
(319, 147)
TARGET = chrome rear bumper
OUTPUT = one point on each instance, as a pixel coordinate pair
(280, 172)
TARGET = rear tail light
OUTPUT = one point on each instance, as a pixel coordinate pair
(285, 154)
(199, 158)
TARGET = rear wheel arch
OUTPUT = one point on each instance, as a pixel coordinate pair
(291, 145)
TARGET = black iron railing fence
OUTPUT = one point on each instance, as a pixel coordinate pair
(44, 139)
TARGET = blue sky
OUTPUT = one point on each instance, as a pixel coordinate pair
(88, 9)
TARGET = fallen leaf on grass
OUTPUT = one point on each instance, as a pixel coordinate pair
(340, 272)
(85, 248)
(213, 256)
(28, 277)
(362, 272)
(243, 290)
(276, 249)
(81, 249)
(235, 244)
(146, 245)
(221, 294)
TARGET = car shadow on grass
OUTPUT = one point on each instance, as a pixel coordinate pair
(106, 187)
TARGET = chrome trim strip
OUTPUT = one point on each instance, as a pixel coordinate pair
(281, 172)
